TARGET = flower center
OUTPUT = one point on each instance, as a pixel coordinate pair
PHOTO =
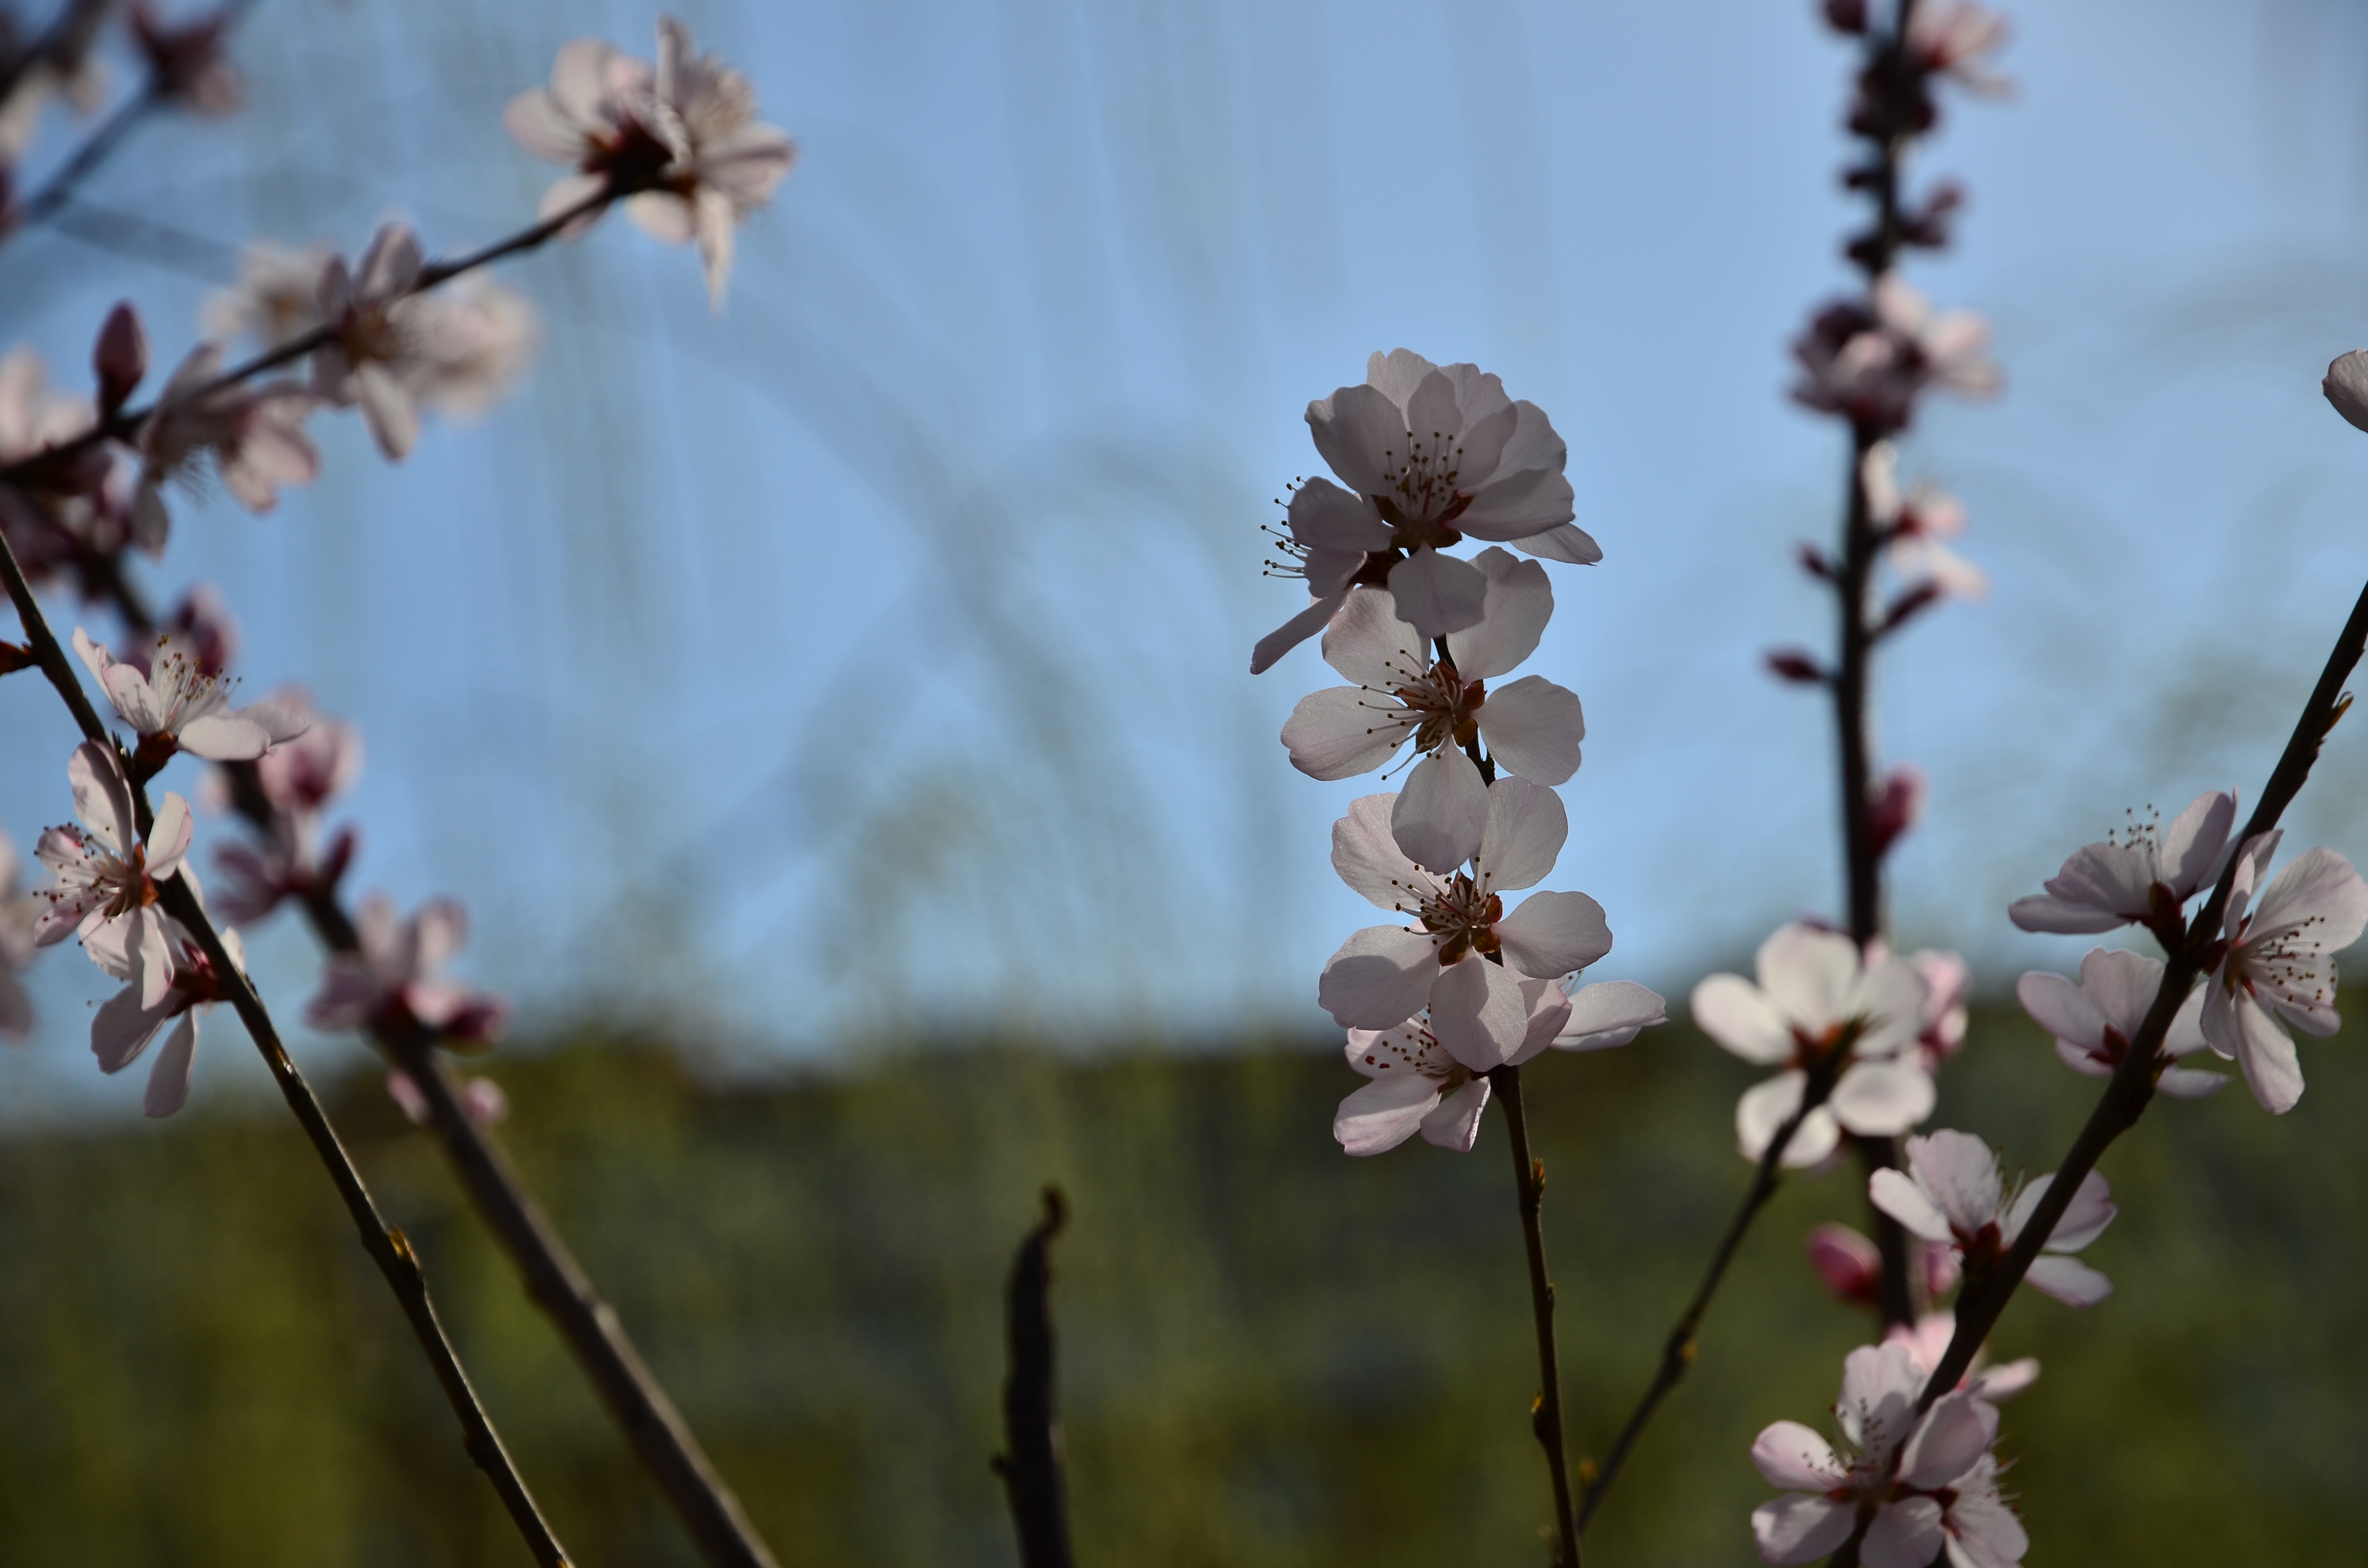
(1422, 499)
(1465, 914)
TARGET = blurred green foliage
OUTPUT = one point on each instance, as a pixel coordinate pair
(1272, 1354)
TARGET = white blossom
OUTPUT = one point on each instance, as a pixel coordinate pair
(253, 437)
(2095, 1021)
(1952, 1192)
(175, 704)
(2143, 876)
(2278, 964)
(397, 978)
(122, 1029)
(105, 887)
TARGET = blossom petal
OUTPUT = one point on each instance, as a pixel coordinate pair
(1366, 854)
(1985, 1533)
(102, 796)
(1367, 643)
(2122, 985)
(1386, 1112)
(1960, 1174)
(1438, 593)
(2062, 1009)
(1742, 1018)
(1455, 1124)
(2085, 1218)
(1442, 813)
(388, 409)
(2067, 1279)
(1356, 430)
(1808, 973)
(1905, 1202)
(2045, 913)
(1380, 978)
(1297, 629)
(1526, 828)
(1324, 516)
(1610, 1013)
(121, 1028)
(1564, 542)
(168, 839)
(1518, 506)
(1762, 1112)
(168, 1080)
(1882, 1099)
(1517, 604)
(2317, 886)
(1906, 1534)
(2189, 1084)
(1953, 1438)
(1554, 933)
(2266, 1052)
(1478, 1013)
(1799, 1528)
(1533, 727)
(2191, 845)
(224, 737)
(1792, 1457)
(1343, 731)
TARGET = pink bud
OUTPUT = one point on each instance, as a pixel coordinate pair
(1848, 16)
(119, 358)
(1940, 1269)
(1792, 664)
(1849, 1264)
(1813, 561)
(1897, 805)
(2347, 387)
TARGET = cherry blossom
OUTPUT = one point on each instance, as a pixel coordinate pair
(1816, 998)
(396, 980)
(1929, 1343)
(1952, 1192)
(20, 912)
(376, 351)
(122, 1029)
(1384, 974)
(1948, 982)
(1531, 726)
(2141, 876)
(2346, 386)
(45, 525)
(189, 65)
(1916, 528)
(1850, 1265)
(297, 779)
(2094, 1021)
(105, 887)
(252, 437)
(277, 296)
(681, 144)
(174, 705)
(202, 626)
(1955, 38)
(1870, 362)
(481, 1098)
(2277, 963)
(1928, 1486)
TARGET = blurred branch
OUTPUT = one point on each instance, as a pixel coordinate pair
(1030, 1462)
(68, 36)
(387, 1245)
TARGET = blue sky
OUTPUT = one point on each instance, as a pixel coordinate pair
(870, 659)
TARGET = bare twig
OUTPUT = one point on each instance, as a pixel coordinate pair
(1530, 1183)
(1030, 1462)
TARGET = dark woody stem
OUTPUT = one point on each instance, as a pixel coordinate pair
(387, 1245)
(1545, 1416)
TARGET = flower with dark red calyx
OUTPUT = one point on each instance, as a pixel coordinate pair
(118, 361)
(1952, 1193)
(122, 1028)
(2095, 1021)
(395, 980)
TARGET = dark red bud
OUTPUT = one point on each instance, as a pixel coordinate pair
(120, 359)
(339, 856)
(1921, 597)
(1792, 665)
(13, 658)
(1845, 17)
(1813, 561)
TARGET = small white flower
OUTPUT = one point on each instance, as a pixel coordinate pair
(253, 436)
(1915, 526)
(1817, 996)
(1869, 362)
(2278, 967)
(176, 705)
(2143, 877)
(397, 978)
(105, 889)
(122, 1029)
(1952, 1192)
(2094, 1021)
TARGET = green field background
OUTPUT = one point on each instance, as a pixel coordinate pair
(1272, 1354)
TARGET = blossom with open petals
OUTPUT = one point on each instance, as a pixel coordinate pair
(1531, 726)
(2141, 876)
(1915, 526)
(376, 351)
(122, 1029)
(174, 705)
(396, 980)
(1869, 360)
(20, 912)
(1384, 974)
(1929, 1343)
(105, 887)
(252, 437)
(1816, 996)
(2277, 966)
(1941, 1495)
(275, 296)
(1956, 39)
(1952, 1192)
(2094, 1021)
(681, 142)
(1430, 455)
(297, 778)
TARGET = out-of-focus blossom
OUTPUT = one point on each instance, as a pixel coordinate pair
(122, 1029)
(1952, 1192)
(1948, 982)
(66, 66)
(119, 360)
(1897, 806)
(20, 912)
(252, 435)
(1817, 1000)
(275, 298)
(297, 778)
(1916, 528)
(1869, 361)
(1531, 726)
(2094, 1021)
(2277, 965)
(174, 705)
(202, 629)
(681, 144)
(482, 1099)
(188, 63)
(105, 887)
(1850, 1265)
(54, 523)
(1384, 974)
(397, 980)
(1956, 39)
(2346, 386)
(2143, 876)
(1928, 1341)
(1941, 1495)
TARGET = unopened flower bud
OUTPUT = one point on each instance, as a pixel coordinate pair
(1897, 805)
(13, 658)
(1815, 562)
(1850, 1265)
(120, 359)
(2347, 387)
(1846, 16)
(1792, 665)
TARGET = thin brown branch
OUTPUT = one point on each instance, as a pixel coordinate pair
(1530, 1183)
(1030, 1462)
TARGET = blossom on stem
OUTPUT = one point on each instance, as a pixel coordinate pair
(105, 887)
(1531, 726)
(174, 705)
(2276, 963)
(1850, 1265)
(122, 1028)
(395, 980)
(1947, 984)
(1897, 805)
(1819, 1006)
(49, 523)
(1466, 958)
(1952, 1192)
(189, 64)
(481, 1098)
(2095, 1021)
(1914, 526)
(1954, 38)
(253, 436)
(1869, 361)
(2143, 875)
(681, 144)
(1929, 1343)
(1939, 1497)
(276, 295)
(20, 915)
(297, 778)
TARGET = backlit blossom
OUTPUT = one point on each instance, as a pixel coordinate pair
(397, 980)
(20, 912)
(276, 295)
(1816, 998)
(1531, 726)
(1850, 1265)
(1942, 1497)
(2094, 1021)
(1916, 528)
(122, 1029)
(297, 780)
(174, 705)
(1956, 37)
(251, 437)
(105, 887)
(1929, 1343)
(1385, 974)
(47, 525)
(681, 142)
(1870, 362)
(2141, 876)
(2278, 964)
(1952, 1192)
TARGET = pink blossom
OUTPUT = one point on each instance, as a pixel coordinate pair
(1929, 1343)
(1383, 975)
(1947, 984)
(174, 705)
(2094, 1021)
(1850, 1265)
(275, 298)
(51, 524)
(1817, 996)
(2277, 963)
(481, 1099)
(1939, 1497)
(1868, 362)
(682, 142)
(2143, 876)
(395, 980)
(253, 437)
(20, 914)
(105, 886)
(1955, 38)
(122, 1029)
(1916, 528)
(1952, 1192)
